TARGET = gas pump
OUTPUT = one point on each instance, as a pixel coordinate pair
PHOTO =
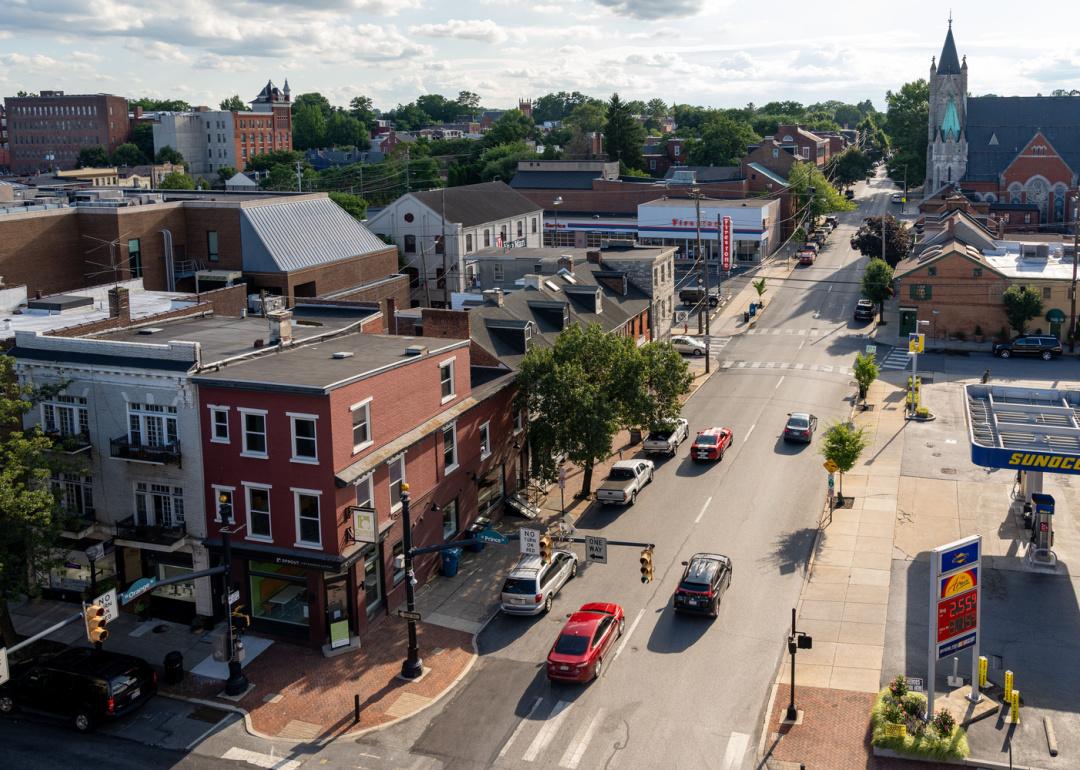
(1042, 530)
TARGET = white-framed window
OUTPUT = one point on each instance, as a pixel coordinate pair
(397, 477)
(365, 492)
(304, 440)
(228, 492)
(446, 380)
(450, 519)
(450, 453)
(308, 524)
(219, 424)
(519, 421)
(152, 425)
(75, 494)
(485, 440)
(253, 422)
(497, 273)
(257, 501)
(487, 238)
(361, 425)
(158, 505)
(65, 415)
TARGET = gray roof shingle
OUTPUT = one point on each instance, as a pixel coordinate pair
(950, 62)
(1014, 121)
(555, 180)
(475, 204)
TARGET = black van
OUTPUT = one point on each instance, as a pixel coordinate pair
(694, 295)
(79, 685)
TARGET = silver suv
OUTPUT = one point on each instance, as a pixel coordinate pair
(531, 586)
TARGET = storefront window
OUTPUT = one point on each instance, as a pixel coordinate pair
(372, 580)
(181, 592)
(490, 493)
(279, 593)
(449, 519)
(72, 571)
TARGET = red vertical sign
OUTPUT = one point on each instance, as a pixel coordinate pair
(725, 251)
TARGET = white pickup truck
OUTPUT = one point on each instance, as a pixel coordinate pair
(626, 479)
(665, 439)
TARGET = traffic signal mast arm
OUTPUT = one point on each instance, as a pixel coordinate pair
(514, 536)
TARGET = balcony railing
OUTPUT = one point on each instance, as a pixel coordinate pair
(158, 454)
(70, 443)
(76, 525)
(128, 529)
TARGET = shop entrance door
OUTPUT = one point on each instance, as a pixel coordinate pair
(337, 610)
(373, 585)
(907, 320)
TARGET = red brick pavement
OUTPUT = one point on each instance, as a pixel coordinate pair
(318, 691)
(834, 734)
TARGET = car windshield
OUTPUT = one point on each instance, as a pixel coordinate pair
(519, 586)
(708, 440)
(621, 474)
(569, 644)
(688, 585)
(798, 422)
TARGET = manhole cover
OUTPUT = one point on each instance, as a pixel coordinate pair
(949, 471)
(937, 454)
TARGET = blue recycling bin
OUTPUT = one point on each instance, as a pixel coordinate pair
(451, 557)
(753, 310)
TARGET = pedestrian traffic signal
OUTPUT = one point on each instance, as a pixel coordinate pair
(647, 565)
(240, 621)
(225, 507)
(545, 549)
(95, 617)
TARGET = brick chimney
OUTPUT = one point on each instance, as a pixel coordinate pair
(566, 262)
(531, 280)
(120, 304)
(280, 326)
(390, 316)
(493, 297)
(593, 257)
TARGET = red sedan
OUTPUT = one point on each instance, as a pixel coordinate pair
(711, 444)
(588, 636)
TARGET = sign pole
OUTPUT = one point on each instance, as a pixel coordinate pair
(976, 693)
(931, 669)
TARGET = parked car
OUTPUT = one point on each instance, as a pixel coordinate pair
(693, 295)
(811, 246)
(665, 439)
(704, 580)
(688, 345)
(711, 444)
(897, 197)
(807, 257)
(850, 194)
(626, 479)
(817, 237)
(833, 220)
(1044, 346)
(864, 310)
(586, 639)
(800, 427)
(80, 685)
(531, 586)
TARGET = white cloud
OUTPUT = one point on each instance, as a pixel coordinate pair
(155, 50)
(654, 9)
(483, 30)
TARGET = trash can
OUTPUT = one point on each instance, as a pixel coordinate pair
(746, 316)
(174, 667)
(450, 559)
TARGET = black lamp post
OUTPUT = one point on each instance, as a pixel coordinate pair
(237, 683)
(413, 666)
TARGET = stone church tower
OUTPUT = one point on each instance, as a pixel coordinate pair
(946, 155)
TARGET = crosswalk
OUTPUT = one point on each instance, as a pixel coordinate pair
(787, 365)
(787, 332)
(897, 359)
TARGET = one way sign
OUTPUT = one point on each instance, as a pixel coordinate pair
(596, 550)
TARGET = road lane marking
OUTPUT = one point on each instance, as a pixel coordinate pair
(548, 731)
(576, 750)
(260, 760)
(780, 381)
(736, 751)
(520, 727)
(750, 431)
(703, 509)
(626, 638)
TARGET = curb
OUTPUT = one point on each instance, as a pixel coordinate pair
(986, 764)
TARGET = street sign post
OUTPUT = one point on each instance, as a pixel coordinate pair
(234, 597)
(408, 615)
(530, 541)
(596, 549)
(871, 350)
(108, 601)
(492, 536)
(955, 599)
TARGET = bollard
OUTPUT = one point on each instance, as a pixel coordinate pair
(1014, 711)
(1008, 685)
(1051, 736)
(356, 709)
(982, 671)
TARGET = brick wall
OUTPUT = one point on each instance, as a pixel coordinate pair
(337, 276)
(958, 299)
(225, 221)
(229, 301)
(42, 250)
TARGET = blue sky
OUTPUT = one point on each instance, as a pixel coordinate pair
(712, 52)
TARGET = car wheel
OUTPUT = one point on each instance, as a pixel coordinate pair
(1003, 354)
(82, 722)
(598, 669)
(547, 604)
(720, 456)
(622, 625)
(7, 705)
(633, 498)
(1047, 355)
(573, 570)
(699, 352)
(651, 474)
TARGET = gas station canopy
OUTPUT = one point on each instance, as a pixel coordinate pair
(1031, 429)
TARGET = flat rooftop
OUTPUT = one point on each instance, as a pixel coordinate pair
(1043, 421)
(580, 255)
(727, 203)
(323, 366)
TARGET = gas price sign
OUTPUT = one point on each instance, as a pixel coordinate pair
(957, 615)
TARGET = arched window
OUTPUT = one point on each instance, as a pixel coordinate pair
(1014, 192)
(1059, 202)
(1038, 192)
(990, 198)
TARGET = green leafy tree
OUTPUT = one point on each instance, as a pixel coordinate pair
(160, 105)
(268, 160)
(309, 126)
(438, 108)
(128, 154)
(624, 137)
(512, 127)
(177, 181)
(898, 239)
(866, 371)
(826, 198)
(664, 378)
(500, 162)
(850, 166)
(877, 283)
(1022, 303)
(587, 116)
(905, 124)
(361, 108)
(314, 99)
(760, 288)
(225, 173)
(354, 204)
(280, 177)
(723, 142)
(558, 106)
(235, 104)
(343, 130)
(92, 157)
(843, 443)
(168, 155)
(467, 103)
(142, 136)
(29, 519)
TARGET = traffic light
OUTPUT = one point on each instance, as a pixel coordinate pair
(545, 549)
(646, 565)
(240, 621)
(94, 615)
(225, 508)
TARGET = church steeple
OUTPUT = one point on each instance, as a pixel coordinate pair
(949, 63)
(946, 156)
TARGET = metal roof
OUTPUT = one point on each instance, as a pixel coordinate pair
(287, 235)
(1044, 420)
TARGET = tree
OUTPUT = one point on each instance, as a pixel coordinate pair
(316, 100)
(177, 181)
(624, 137)
(160, 105)
(353, 204)
(665, 377)
(360, 107)
(843, 443)
(467, 102)
(898, 239)
(501, 162)
(29, 520)
(128, 154)
(235, 104)
(513, 126)
(723, 141)
(558, 106)
(344, 130)
(142, 136)
(407, 117)
(168, 155)
(851, 165)
(760, 288)
(866, 371)
(439, 108)
(309, 126)
(877, 283)
(905, 124)
(225, 173)
(1022, 303)
(268, 160)
(826, 198)
(92, 157)
(588, 116)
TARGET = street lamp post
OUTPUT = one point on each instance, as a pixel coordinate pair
(1072, 289)
(412, 667)
(555, 206)
(237, 683)
(695, 193)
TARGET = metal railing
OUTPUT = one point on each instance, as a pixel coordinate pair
(161, 454)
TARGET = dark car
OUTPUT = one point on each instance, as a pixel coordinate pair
(694, 295)
(864, 310)
(79, 685)
(704, 581)
(800, 427)
(1044, 346)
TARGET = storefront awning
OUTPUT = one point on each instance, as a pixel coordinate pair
(327, 562)
(1055, 316)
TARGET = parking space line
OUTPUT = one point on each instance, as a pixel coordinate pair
(260, 760)
(520, 727)
(703, 509)
(548, 731)
(576, 750)
(750, 431)
(780, 381)
(640, 615)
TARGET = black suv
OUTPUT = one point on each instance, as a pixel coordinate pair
(706, 577)
(864, 310)
(79, 685)
(1044, 346)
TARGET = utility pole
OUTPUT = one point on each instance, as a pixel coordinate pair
(299, 177)
(412, 667)
(1072, 293)
(445, 254)
(705, 269)
(408, 188)
(361, 165)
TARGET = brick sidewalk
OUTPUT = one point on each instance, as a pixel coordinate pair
(299, 695)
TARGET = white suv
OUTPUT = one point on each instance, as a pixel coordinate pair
(531, 586)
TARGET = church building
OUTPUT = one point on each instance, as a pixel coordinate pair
(1006, 151)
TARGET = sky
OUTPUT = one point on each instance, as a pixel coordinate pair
(719, 53)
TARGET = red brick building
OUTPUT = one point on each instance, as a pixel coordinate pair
(46, 132)
(298, 439)
(803, 144)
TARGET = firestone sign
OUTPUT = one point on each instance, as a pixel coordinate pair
(725, 244)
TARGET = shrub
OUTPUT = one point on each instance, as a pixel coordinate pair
(937, 744)
(898, 687)
(944, 723)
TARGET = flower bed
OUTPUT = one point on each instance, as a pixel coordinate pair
(896, 723)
